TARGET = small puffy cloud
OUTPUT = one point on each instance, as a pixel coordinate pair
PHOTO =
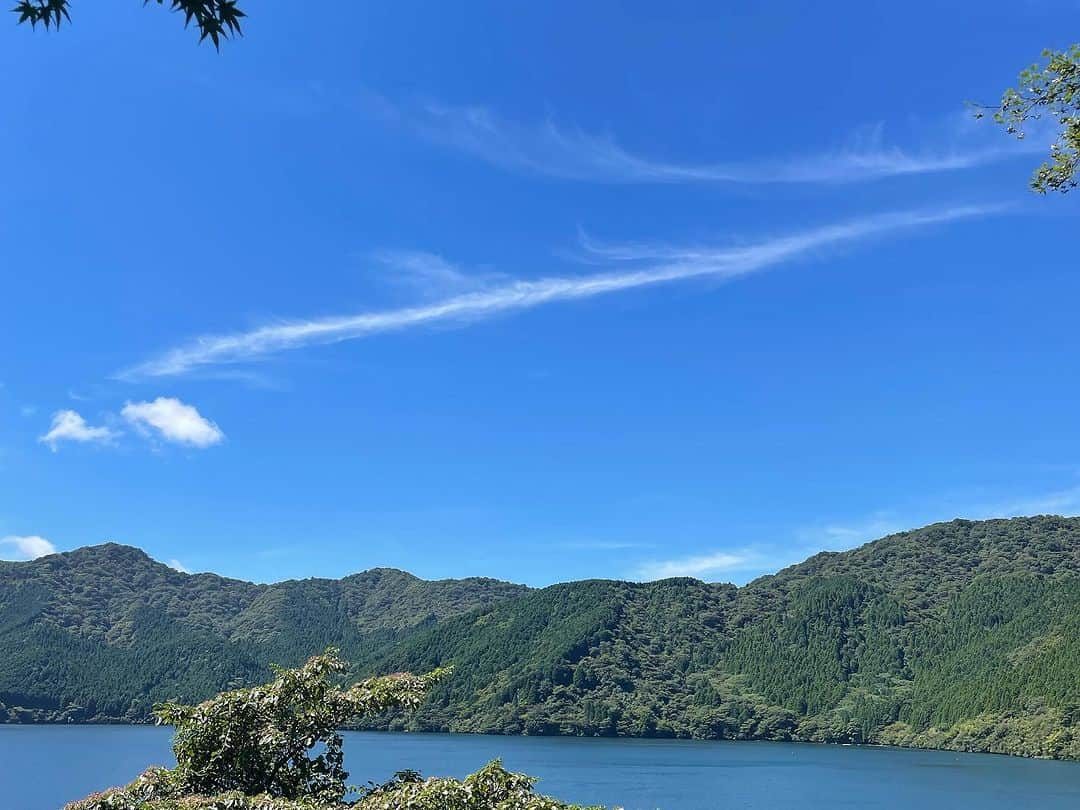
(28, 547)
(176, 565)
(700, 566)
(174, 421)
(69, 426)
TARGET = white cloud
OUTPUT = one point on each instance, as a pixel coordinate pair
(840, 536)
(661, 266)
(28, 547)
(174, 421)
(570, 153)
(603, 545)
(176, 565)
(428, 272)
(768, 558)
(1065, 502)
(701, 566)
(69, 426)
(847, 535)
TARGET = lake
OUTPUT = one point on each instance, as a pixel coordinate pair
(42, 767)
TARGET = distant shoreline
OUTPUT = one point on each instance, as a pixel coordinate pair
(407, 732)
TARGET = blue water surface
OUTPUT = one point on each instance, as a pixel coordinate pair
(42, 767)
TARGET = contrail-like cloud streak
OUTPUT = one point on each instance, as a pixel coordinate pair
(662, 265)
(572, 154)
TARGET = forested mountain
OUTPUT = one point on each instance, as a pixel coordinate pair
(103, 632)
(959, 635)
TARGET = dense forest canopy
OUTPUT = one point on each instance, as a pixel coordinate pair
(959, 635)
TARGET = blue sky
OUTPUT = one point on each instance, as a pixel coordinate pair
(534, 292)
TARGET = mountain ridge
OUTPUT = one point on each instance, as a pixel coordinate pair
(111, 548)
(962, 634)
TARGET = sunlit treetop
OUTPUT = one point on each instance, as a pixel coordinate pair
(215, 19)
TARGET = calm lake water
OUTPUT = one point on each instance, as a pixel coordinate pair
(42, 767)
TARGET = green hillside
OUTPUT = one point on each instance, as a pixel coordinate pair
(959, 635)
(103, 632)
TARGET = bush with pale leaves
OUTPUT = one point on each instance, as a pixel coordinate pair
(254, 749)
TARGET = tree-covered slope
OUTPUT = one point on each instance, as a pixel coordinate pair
(595, 657)
(960, 635)
(105, 631)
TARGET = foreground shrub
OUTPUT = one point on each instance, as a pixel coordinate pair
(491, 788)
(254, 749)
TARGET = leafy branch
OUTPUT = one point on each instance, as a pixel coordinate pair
(215, 19)
(1049, 91)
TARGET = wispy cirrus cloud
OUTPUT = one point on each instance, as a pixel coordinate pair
(846, 534)
(421, 267)
(841, 536)
(651, 266)
(755, 559)
(701, 566)
(571, 153)
(603, 545)
(1064, 502)
(431, 274)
